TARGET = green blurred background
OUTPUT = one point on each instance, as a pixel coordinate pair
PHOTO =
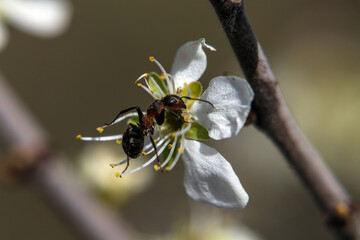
(80, 80)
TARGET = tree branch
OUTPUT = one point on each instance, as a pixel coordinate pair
(274, 118)
(31, 151)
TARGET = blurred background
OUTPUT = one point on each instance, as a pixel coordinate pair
(84, 77)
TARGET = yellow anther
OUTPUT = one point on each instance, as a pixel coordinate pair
(186, 117)
(179, 90)
(112, 165)
(100, 129)
(118, 141)
(151, 59)
(169, 146)
(163, 76)
(78, 137)
(144, 153)
(173, 134)
(342, 210)
(155, 140)
(167, 169)
(180, 150)
(139, 85)
(117, 174)
(156, 167)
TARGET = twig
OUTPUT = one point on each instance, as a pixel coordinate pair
(49, 170)
(274, 118)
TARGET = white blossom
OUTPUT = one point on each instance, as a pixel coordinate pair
(42, 18)
(221, 113)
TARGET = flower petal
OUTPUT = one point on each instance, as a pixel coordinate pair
(190, 62)
(44, 18)
(232, 97)
(4, 36)
(210, 178)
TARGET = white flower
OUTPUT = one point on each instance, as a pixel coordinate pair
(221, 113)
(43, 18)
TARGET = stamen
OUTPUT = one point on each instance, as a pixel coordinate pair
(169, 83)
(179, 90)
(186, 117)
(157, 87)
(100, 129)
(143, 153)
(169, 146)
(149, 147)
(148, 162)
(156, 167)
(112, 165)
(118, 141)
(145, 75)
(100, 139)
(152, 59)
(155, 95)
(171, 152)
(163, 76)
(177, 157)
(173, 90)
(117, 174)
(183, 131)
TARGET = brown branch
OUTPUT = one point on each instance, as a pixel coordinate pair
(47, 168)
(274, 118)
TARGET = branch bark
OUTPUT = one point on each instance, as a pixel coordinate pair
(31, 148)
(275, 120)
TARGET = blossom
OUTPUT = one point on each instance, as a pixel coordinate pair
(43, 18)
(220, 113)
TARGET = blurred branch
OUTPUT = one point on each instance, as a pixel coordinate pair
(274, 118)
(47, 168)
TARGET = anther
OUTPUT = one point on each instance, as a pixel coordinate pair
(117, 174)
(112, 165)
(179, 90)
(173, 134)
(180, 150)
(167, 169)
(139, 85)
(151, 59)
(118, 141)
(186, 117)
(100, 129)
(156, 167)
(163, 76)
(169, 146)
(144, 153)
(78, 137)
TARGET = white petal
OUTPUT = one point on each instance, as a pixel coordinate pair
(190, 62)
(210, 178)
(44, 18)
(4, 35)
(232, 97)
